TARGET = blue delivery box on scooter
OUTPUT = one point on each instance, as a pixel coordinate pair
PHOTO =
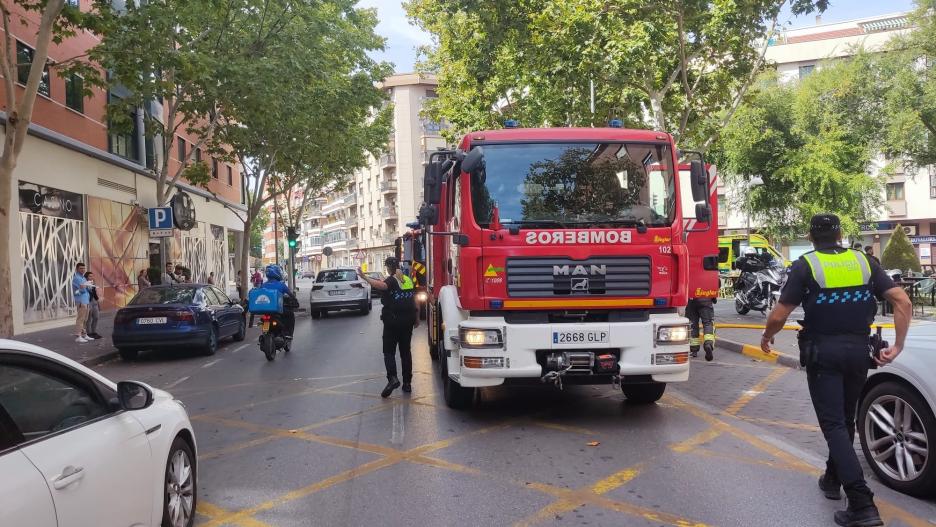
(262, 301)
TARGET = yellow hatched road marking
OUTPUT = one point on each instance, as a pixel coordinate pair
(783, 424)
(755, 390)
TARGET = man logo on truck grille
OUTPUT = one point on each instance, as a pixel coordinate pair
(580, 285)
(580, 270)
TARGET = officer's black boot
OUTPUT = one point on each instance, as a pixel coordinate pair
(694, 351)
(709, 350)
(830, 486)
(407, 387)
(392, 384)
(861, 511)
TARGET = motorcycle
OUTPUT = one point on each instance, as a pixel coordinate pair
(758, 287)
(272, 337)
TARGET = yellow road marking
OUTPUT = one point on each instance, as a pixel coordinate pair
(696, 440)
(616, 480)
(562, 428)
(756, 353)
(756, 390)
(213, 511)
(783, 424)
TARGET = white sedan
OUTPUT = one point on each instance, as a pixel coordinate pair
(77, 450)
(897, 415)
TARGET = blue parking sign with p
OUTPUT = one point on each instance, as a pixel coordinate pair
(160, 218)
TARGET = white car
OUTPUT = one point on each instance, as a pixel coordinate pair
(896, 412)
(77, 450)
(337, 289)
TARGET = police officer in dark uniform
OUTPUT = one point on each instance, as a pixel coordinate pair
(837, 288)
(400, 315)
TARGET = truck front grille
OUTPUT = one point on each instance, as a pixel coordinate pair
(606, 276)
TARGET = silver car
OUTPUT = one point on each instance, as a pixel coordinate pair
(897, 415)
(337, 289)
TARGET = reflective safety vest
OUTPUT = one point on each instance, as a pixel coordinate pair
(843, 302)
(407, 283)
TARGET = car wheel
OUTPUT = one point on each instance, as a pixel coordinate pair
(740, 307)
(181, 489)
(365, 309)
(211, 345)
(128, 354)
(643, 393)
(456, 396)
(898, 437)
(316, 314)
(241, 331)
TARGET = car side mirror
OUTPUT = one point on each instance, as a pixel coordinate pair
(698, 181)
(133, 395)
(474, 161)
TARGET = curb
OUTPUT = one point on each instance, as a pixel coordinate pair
(97, 360)
(755, 353)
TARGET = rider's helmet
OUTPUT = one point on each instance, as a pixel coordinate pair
(274, 272)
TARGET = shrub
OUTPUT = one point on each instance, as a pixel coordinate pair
(899, 253)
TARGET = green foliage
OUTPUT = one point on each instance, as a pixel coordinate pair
(683, 63)
(257, 227)
(899, 252)
(811, 143)
(197, 173)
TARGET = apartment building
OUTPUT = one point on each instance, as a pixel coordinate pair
(910, 198)
(82, 191)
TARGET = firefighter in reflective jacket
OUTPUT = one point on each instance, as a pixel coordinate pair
(400, 316)
(837, 288)
(701, 309)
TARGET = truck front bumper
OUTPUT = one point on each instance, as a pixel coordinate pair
(641, 357)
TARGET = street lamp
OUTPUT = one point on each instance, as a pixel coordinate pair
(751, 184)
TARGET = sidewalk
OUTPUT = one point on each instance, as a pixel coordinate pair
(62, 341)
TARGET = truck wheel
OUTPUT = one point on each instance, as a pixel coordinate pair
(643, 393)
(456, 396)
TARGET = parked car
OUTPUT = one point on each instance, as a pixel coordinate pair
(308, 274)
(897, 415)
(182, 315)
(337, 289)
(376, 276)
(78, 450)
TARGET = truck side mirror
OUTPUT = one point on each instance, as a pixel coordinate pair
(703, 213)
(474, 161)
(428, 215)
(432, 182)
(698, 181)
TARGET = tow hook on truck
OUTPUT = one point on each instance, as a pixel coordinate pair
(560, 364)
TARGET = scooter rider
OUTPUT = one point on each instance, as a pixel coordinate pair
(837, 288)
(274, 274)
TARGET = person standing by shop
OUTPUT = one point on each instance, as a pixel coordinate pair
(837, 288)
(80, 286)
(94, 309)
(400, 315)
(143, 279)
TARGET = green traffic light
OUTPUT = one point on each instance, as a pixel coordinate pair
(292, 243)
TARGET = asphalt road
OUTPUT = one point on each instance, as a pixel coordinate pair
(306, 440)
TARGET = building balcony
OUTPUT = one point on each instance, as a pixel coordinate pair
(334, 225)
(387, 160)
(388, 239)
(388, 186)
(389, 212)
(339, 203)
(896, 208)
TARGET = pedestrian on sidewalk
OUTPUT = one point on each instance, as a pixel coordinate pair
(80, 286)
(211, 278)
(400, 315)
(170, 277)
(239, 283)
(143, 278)
(869, 252)
(94, 309)
(837, 287)
(701, 310)
(257, 279)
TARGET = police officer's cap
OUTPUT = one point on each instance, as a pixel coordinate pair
(825, 223)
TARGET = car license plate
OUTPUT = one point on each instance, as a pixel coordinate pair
(151, 320)
(580, 338)
(265, 326)
(336, 292)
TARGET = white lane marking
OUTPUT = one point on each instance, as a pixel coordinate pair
(242, 346)
(177, 382)
(212, 363)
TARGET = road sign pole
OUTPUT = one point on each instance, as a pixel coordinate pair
(292, 268)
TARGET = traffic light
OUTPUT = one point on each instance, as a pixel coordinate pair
(291, 236)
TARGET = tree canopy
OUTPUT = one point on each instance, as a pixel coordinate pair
(680, 67)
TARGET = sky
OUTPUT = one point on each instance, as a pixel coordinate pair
(403, 38)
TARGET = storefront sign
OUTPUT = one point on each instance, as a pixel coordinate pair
(48, 201)
(916, 240)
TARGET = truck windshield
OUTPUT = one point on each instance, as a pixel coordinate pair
(576, 184)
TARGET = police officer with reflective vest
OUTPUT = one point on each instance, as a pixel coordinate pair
(837, 288)
(400, 315)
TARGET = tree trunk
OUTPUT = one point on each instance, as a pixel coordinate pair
(245, 254)
(659, 116)
(7, 163)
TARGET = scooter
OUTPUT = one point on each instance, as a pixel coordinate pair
(271, 336)
(758, 287)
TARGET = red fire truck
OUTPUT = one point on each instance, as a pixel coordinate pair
(560, 256)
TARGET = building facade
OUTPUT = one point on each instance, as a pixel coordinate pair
(82, 191)
(910, 199)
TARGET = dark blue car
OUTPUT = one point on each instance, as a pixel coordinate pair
(195, 316)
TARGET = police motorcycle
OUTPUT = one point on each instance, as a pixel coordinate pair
(758, 287)
(272, 305)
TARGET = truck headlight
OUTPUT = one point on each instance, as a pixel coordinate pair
(480, 338)
(673, 334)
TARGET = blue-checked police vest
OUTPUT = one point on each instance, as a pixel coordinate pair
(840, 301)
